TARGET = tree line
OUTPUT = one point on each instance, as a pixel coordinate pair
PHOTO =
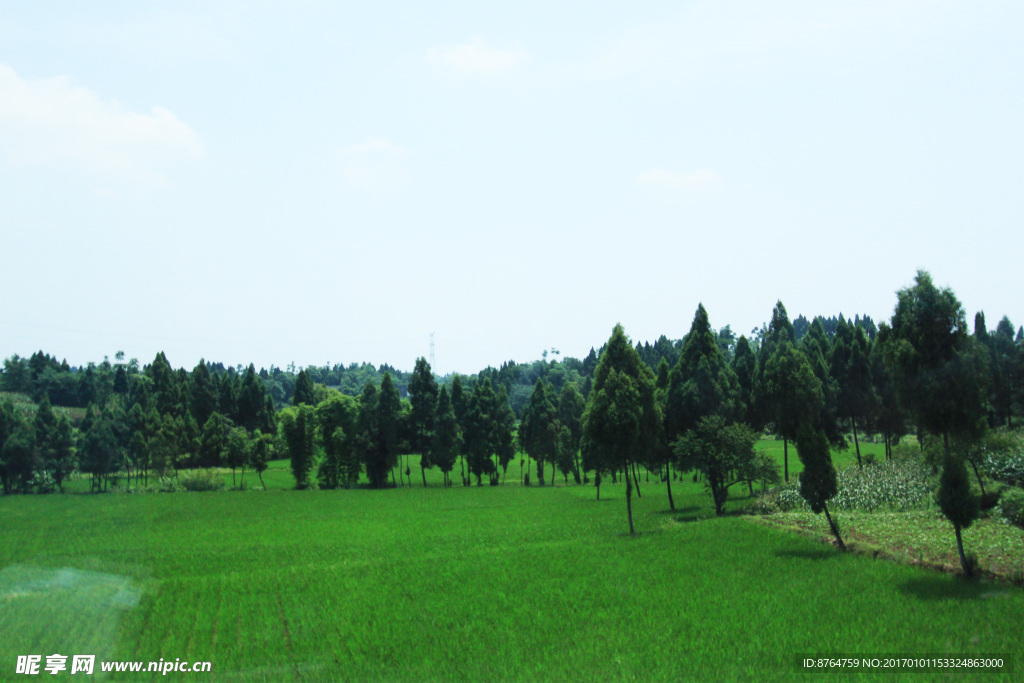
(694, 404)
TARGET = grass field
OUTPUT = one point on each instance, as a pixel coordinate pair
(468, 584)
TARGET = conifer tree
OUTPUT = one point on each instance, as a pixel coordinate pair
(303, 390)
(536, 438)
(942, 381)
(446, 442)
(794, 394)
(423, 390)
(818, 482)
(204, 395)
(622, 420)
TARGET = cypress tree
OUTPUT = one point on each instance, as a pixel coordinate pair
(622, 420)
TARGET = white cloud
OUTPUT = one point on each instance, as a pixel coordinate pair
(376, 166)
(52, 122)
(475, 58)
(704, 181)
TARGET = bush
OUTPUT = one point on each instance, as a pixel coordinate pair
(201, 480)
(1005, 462)
(1011, 507)
(168, 485)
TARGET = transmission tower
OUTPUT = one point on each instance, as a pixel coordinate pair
(432, 352)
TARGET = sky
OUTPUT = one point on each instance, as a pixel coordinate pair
(328, 182)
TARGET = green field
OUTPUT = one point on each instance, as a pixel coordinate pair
(469, 583)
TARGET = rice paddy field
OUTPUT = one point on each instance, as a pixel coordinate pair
(506, 583)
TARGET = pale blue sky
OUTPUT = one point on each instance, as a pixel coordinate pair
(331, 182)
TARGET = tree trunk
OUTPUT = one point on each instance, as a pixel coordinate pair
(785, 457)
(597, 483)
(668, 480)
(977, 474)
(636, 479)
(261, 480)
(629, 501)
(835, 529)
(856, 443)
(960, 549)
(423, 471)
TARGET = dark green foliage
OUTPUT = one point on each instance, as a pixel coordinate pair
(955, 498)
(722, 453)
(446, 443)
(337, 417)
(503, 425)
(779, 330)
(99, 451)
(214, 441)
(1011, 507)
(298, 427)
(535, 434)
(622, 420)
(260, 454)
(958, 503)
(701, 383)
(377, 431)
(743, 364)
(252, 402)
(18, 456)
(423, 397)
(477, 426)
(792, 392)
(818, 480)
(571, 405)
(304, 390)
(204, 395)
(60, 459)
(942, 378)
(236, 452)
(941, 372)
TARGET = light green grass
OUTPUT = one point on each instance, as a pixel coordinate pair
(469, 583)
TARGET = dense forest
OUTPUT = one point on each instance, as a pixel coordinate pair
(672, 406)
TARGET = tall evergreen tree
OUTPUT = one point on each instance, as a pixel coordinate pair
(303, 390)
(298, 427)
(204, 395)
(446, 442)
(743, 364)
(621, 421)
(794, 393)
(423, 390)
(534, 433)
(779, 330)
(818, 482)
(569, 413)
(942, 380)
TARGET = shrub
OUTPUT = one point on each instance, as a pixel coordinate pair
(201, 480)
(168, 485)
(1011, 507)
(1006, 464)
